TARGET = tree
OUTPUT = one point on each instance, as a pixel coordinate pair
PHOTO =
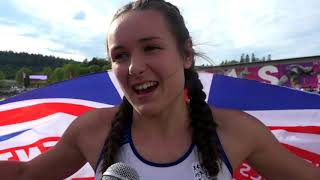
(253, 58)
(94, 68)
(242, 60)
(105, 68)
(247, 60)
(22, 76)
(57, 75)
(269, 57)
(71, 71)
(83, 71)
(47, 71)
(2, 78)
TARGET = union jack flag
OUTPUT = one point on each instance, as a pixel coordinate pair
(32, 122)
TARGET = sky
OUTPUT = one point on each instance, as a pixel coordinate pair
(221, 29)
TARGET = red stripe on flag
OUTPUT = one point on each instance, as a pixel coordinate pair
(299, 129)
(28, 113)
(307, 155)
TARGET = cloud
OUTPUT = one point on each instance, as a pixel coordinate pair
(223, 29)
(81, 15)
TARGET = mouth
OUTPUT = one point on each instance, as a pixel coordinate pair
(145, 87)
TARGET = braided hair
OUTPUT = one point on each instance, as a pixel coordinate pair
(202, 124)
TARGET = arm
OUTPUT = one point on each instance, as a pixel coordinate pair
(245, 138)
(274, 161)
(58, 162)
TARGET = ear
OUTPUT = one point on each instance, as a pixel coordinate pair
(189, 54)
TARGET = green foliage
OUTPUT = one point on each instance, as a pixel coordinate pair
(105, 68)
(21, 74)
(71, 71)
(14, 65)
(2, 76)
(57, 75)
(11, 62)
(94, 68)
(83, 71)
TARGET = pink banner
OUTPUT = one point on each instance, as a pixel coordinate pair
(298, 75)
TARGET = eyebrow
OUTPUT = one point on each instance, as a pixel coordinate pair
(149, 38)
(145, 39)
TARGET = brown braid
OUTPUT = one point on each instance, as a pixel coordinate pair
(202, 123)
(112, 143)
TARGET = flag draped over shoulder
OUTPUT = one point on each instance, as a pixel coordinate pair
(292, 116)
(32, 122)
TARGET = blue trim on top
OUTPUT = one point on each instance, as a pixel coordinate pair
(11, 135)
(136, 153)
(223, 153)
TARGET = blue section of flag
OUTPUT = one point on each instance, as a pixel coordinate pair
(11, 135)
(95, 87)
(242, 94)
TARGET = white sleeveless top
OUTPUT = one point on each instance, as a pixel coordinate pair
(187, 167)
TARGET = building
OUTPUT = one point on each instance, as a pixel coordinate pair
(300, 73)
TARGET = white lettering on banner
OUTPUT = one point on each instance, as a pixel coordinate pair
(28, 154)
(270, 78)
(5, 156)
(25, 153)
(245, 171)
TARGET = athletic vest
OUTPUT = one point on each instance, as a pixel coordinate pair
(187, 167)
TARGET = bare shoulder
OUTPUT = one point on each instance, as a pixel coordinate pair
(238, 123)
(90, 130)
(228, 117)
(94, 119)
(238, 132)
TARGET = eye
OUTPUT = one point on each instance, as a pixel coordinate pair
(151, 48)
(120, 57)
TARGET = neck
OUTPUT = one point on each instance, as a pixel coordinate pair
(169, 122)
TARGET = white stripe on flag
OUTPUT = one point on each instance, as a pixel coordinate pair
(31, 102)
(309, 142)
(57, 118)
(206, 80)
(290, 118)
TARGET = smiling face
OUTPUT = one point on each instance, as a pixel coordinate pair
(146, 61)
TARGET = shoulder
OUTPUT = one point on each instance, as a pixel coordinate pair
(93, 121)
(240, 133)
(236, 121)
(88, 132)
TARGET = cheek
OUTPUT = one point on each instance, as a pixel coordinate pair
(120, 73)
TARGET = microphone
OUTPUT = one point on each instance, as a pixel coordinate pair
(120, 171)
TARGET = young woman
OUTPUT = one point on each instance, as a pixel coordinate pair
(155, 130)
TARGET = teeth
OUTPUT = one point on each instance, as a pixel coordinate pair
(144, 85)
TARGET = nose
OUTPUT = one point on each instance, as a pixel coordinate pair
(137, 65)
